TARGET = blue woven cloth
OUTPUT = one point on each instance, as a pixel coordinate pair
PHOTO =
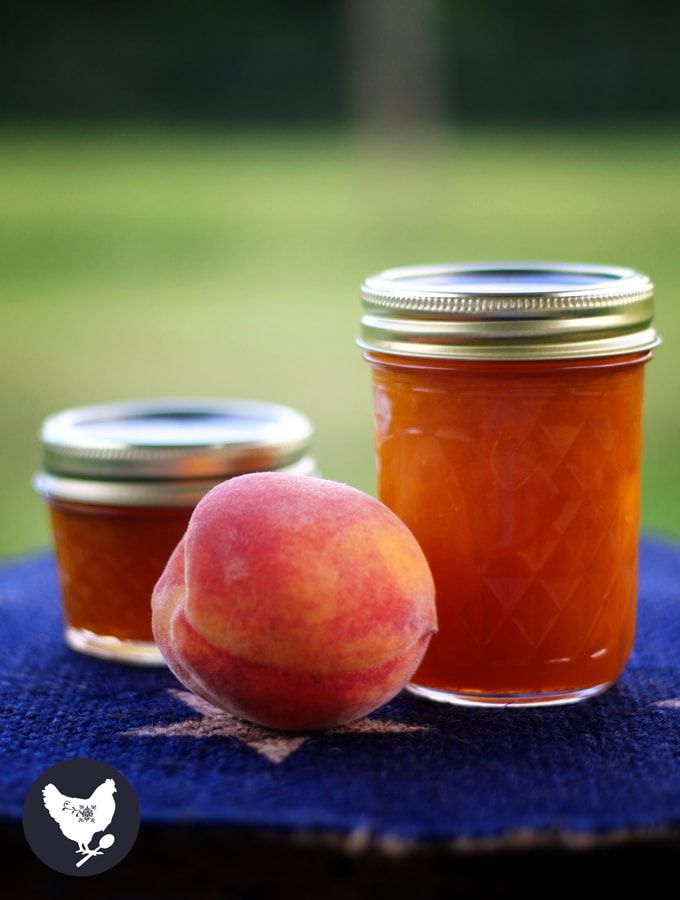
(414, 770)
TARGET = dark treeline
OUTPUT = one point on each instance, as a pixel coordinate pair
(276, 61)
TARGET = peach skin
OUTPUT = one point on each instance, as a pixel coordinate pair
(294, 602)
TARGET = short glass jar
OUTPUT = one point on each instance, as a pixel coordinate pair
(121, 481)
(508, 401)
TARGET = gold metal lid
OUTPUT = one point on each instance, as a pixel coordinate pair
(167, 452)
(508, 310)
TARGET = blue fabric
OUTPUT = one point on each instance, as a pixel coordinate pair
(607, 764)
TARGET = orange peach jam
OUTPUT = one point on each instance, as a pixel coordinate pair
(521, 482)
(109, 559)
(508, 403)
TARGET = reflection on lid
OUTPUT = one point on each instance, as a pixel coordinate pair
(186, 429)
(508, 281)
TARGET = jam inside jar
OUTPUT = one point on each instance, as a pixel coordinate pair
(521, 482)
(109, 559)
(508, 405)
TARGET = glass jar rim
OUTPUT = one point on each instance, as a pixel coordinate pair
(508, 310)
(142, 494)
(173, 439)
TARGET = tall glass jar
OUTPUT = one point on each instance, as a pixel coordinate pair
(121, 481)
(508, 402)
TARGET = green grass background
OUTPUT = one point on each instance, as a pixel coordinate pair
(157, 262)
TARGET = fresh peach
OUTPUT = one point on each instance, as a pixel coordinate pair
(294, 602)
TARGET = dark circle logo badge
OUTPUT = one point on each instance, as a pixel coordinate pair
(81, 817)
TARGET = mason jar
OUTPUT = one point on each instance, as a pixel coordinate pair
(121, 481)
(508, 401)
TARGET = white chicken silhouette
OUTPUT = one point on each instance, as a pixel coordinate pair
(79, 820)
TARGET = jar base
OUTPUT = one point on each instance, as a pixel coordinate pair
(462, 698)
(105, 646)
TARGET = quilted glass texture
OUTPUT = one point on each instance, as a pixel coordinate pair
(521, 481)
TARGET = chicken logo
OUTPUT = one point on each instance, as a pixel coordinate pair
(80, 820)
(96, 814)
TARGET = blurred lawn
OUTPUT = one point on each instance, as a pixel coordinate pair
(142, 263)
